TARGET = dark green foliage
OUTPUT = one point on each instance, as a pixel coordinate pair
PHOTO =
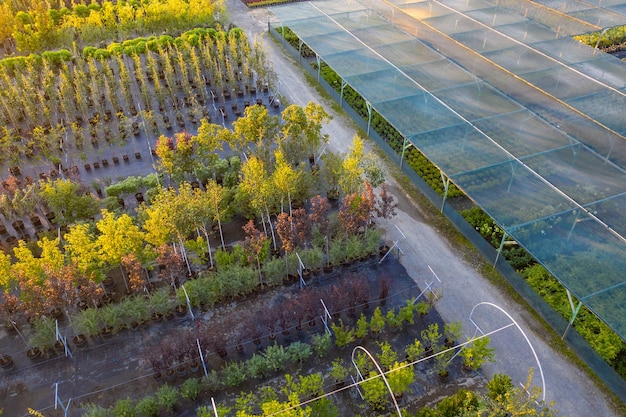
(518, 258)
(294, 41)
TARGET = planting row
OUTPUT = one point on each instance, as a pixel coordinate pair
(35, 27)
(399, 367)
(54, 110)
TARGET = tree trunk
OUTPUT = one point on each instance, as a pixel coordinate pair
(208, 245)
(183, 253)
(269, 220)
(124, 278)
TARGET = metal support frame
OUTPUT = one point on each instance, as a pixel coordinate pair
(63, 340)
(300, 268)
(58, 402)
(214, 407)
(446, 187)
(343, 86)
(326, 317)
(428, 287)
(504, 236)
(188, 302)
(368, 105)
(206, 373)
(380, 374)
(319, 66)
(513, 323)
(405, 146)
(575, 310)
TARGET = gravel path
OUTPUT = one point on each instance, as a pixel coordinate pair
(426, 253)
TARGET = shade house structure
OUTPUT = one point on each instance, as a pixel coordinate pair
(526, 121)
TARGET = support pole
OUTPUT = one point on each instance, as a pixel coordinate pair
(214, 407)
(446, 187)
(575, 310)
(405, 146)
(326, 317)
(300, 268)
(58, 402)
(188, 302)
(206, 373)
(368, 105)
(504, 236)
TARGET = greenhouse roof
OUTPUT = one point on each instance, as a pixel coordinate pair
(537, 140)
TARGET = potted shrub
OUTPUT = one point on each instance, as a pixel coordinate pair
(190, 389)
(167, 397)
(430, 337)
(476, 353)
(336, 253)
(161, 302)
(394, 320)
(233, 374)
(87, 322)
(422, 308)
(257, 367)
(147, 406)
(344, 335)
(352, 248)
(377, 323)
(362, 327)
(274, 272)
(44, 334)
(414, 351)
(406, 312)
(451, 332)
(6, 362)
(299, 352)
(321, 344)
(313, 258)
(339, 372)
(442, 360)
(400, 378)
(370, 242)
(111, 318)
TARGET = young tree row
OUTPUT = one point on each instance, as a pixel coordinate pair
(36, 27)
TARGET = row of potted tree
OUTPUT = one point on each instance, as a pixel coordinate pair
(35, 27)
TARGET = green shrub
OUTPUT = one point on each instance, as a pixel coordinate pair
(299, 352)
(190, 389)
(321, 344)
(147, 406)
(124, 408)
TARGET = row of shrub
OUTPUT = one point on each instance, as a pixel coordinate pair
(135, 46)
(297, 388)
(139, 46)
(612, 40)
(45, 28)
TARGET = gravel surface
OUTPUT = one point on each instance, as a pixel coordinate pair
(430, 258)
